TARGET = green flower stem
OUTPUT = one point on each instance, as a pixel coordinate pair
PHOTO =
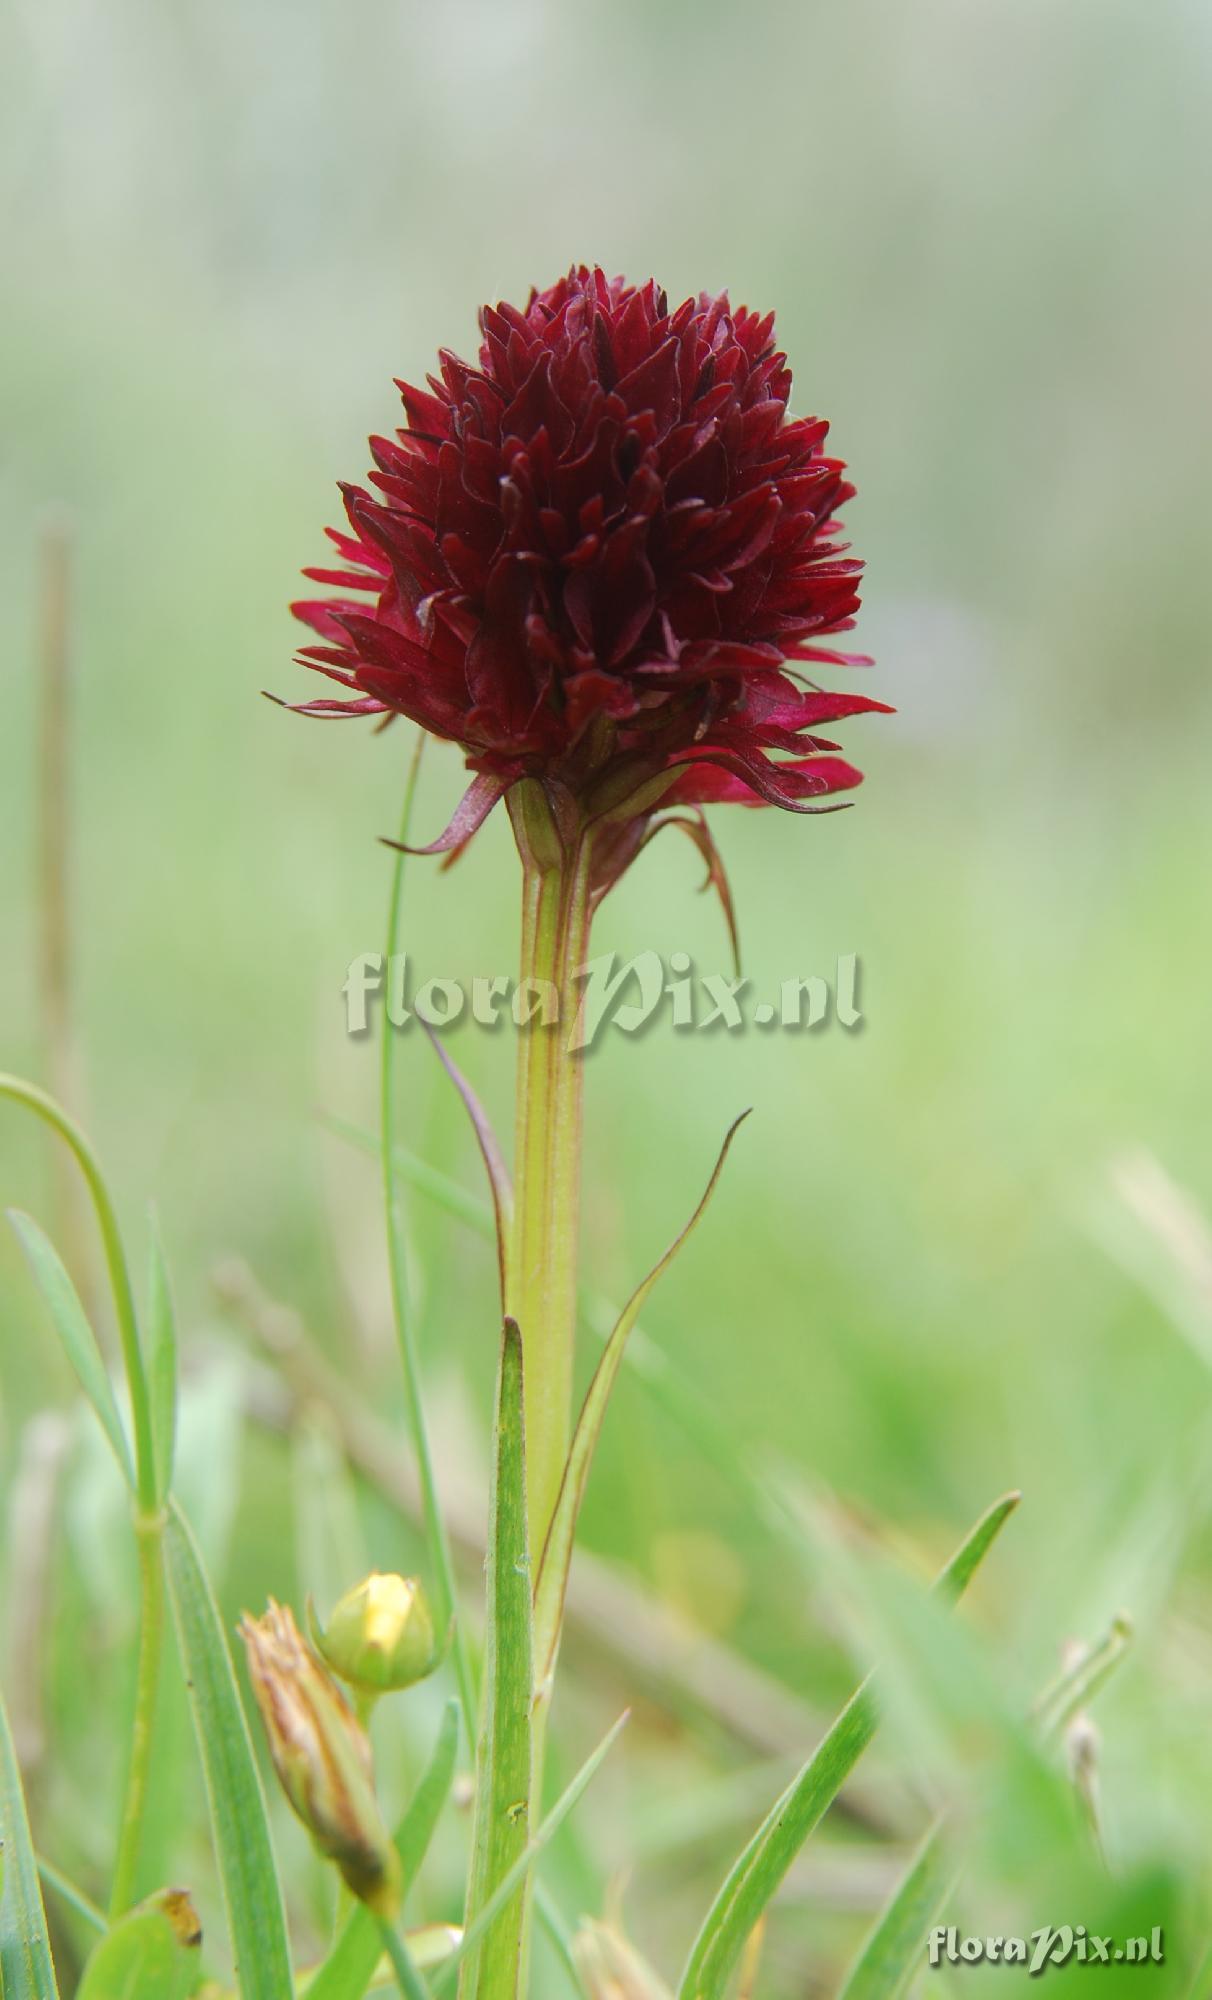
(148, 1510)
(541, 1259)
(541, 1273)
(435, 1527)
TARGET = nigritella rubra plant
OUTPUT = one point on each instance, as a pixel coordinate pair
(604, 562)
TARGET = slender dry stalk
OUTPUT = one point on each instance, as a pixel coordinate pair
(1082, 1747)
(32, 1514)
(62, 1063)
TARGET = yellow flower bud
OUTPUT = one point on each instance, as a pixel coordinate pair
(322, 1755)
(380, 1636)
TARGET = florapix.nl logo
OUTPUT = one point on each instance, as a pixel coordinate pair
(626, 994)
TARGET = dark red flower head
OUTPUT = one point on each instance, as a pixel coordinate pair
(590, 559)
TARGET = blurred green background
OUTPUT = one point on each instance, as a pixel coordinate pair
(984, 230)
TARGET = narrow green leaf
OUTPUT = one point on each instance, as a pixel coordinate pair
(551, 1917)
(26, 1971)
(400, 1958)
(953, 1581)
(54, 1116)
(419, 1823)
(349, 1967)
(760, 1868)
(557, 1555)
(892, 1954)
(515, 1879)
(71, 1895)
(239, 1821)
(503, 1766)
(141, 1958)
(79, 1340)
(161, 1363)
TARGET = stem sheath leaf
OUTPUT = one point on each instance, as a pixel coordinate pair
(503, 1766)
(516, 1877)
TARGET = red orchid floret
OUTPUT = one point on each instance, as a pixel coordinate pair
(602, 558)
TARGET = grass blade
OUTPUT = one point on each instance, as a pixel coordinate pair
(559, 1937)
(239, 1820)
(503, 1766)
(557, 1554)
(55, 1117)
(420, 1821)
(79, 1340)
(760, 1868)
(435, 1527)
(349, 1967)
(71, 1896)
(161, 1363)
(951, 1582)
(515, 1879)
(408, 1979)
(26, 1971)
(892, 1954)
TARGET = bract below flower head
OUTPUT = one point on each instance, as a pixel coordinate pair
(602, 558)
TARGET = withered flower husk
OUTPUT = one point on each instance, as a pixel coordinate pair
(322, 1756)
